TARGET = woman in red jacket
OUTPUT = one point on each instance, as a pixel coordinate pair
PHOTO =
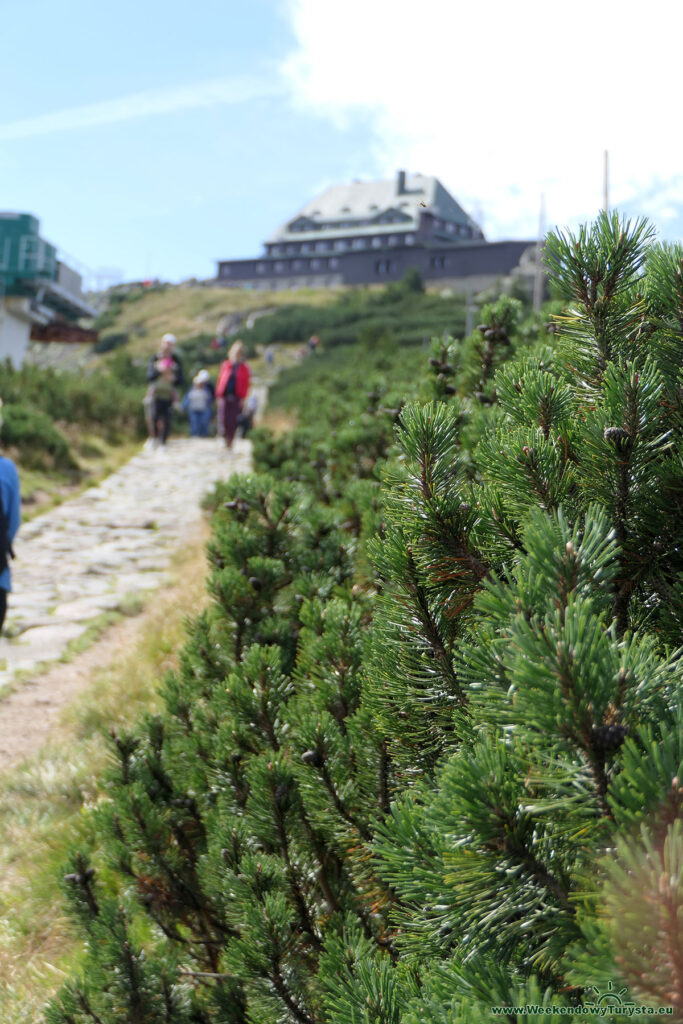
(233, 388)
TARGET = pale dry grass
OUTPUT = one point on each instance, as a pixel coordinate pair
(278, 421)
(44, 801)
(189, 311)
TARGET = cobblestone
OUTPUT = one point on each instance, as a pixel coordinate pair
(93, 553)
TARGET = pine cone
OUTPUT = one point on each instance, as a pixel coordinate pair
(313, 758)
(281, 794)
(606, 738)
(620, 438)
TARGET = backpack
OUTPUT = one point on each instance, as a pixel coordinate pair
(6, 550)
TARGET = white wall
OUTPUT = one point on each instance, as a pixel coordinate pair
(15, 331)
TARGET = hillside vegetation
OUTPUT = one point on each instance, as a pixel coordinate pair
(139, 318)
(67, 423)
(134, 321)
(420, 760)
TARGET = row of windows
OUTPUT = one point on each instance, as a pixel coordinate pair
(33, 255)
(452, 229)
(384, 266)
(318, 265)
(315, 264)
(385, 218)
(340, 244)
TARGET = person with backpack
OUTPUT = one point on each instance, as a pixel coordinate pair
(10, 517)
(233, 388)
(164, 377)
(198, 404)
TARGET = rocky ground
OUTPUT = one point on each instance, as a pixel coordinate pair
(100, 552)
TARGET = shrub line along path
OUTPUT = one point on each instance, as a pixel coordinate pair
(97, 553)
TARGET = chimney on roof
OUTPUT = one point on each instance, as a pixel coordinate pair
(401, 183)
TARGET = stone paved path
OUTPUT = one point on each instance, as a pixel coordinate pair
(111, 543)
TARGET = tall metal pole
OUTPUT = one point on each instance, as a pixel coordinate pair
(606, 182)
(538, 274)
(469, 311)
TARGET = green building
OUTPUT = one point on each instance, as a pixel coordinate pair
(40, 297)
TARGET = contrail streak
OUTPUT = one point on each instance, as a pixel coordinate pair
(216, 92)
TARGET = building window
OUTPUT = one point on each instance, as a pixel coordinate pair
(450, 228)
(307, 247)
(279, 266)
(321, 246)
(384, 266)
(334, 263)
(260, 268)
(358, 243)
(410, 239)
(28, 249)
(316, 264)
(297, 264)
(376, 242)
(340, 244)
(393, 239)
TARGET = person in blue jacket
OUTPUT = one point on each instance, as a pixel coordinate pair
(198, 404)
(10, 517)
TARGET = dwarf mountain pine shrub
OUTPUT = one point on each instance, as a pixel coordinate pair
(413, 788)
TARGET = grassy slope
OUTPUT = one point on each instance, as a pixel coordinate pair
(188, 311)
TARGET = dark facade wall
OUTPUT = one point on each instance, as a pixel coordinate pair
(491, 259)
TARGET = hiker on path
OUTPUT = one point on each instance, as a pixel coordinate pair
(198, 404)
(10, 517)
(165, 376)
(233, 388)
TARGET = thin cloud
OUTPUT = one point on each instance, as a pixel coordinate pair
(216, 92)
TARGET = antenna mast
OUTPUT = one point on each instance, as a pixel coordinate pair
(538, 274)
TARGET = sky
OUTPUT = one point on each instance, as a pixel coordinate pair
(152, 139)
